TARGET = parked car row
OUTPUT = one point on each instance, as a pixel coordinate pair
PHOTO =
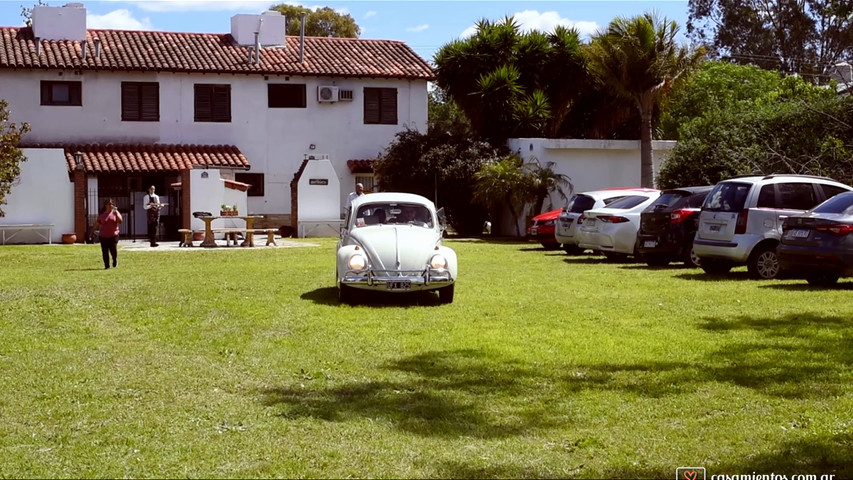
(798, 224)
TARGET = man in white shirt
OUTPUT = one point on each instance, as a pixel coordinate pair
(152, 204)
(359, 191)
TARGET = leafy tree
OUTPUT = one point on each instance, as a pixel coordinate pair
(795, 128)
(806, 37)
(716, 85)
(640, 60)
(507, 182)
(319, 22)
(10, 155)
(445, 115)
(510, 83)
(440, 166)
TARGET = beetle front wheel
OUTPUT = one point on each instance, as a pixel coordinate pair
(445, 294)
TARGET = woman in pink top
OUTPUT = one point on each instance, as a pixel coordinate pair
(107, 227)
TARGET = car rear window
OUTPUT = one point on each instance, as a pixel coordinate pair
(727, 197)
(630, 201)
(836, 204)
(580, 204)
(669, 201)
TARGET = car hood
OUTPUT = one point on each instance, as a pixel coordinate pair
(397, 247)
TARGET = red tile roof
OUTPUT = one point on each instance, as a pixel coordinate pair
(127, 50)
(361, 166)
(114, 158)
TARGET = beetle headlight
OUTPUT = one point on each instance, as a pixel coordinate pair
(357, 262)
(438, 261)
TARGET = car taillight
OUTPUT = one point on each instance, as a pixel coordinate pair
(581, 219)
(740, 225)
(612, 219)
(679, 216)
(835, 229)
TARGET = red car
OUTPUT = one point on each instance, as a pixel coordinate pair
(542, 229)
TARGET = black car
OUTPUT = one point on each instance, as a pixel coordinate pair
(668, 225)
(818, 244)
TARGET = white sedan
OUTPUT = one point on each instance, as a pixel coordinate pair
(392, 242)
(613, 230)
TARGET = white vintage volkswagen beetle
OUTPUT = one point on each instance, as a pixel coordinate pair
(392, 242)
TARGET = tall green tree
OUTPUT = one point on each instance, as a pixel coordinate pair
(794, 127)
(806, 37)
(319, 22)
(444, 115)
(640, 60)
(509, 83)
(10, 155)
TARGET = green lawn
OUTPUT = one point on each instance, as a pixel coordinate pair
(241, 363)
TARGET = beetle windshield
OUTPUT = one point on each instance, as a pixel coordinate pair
(393, 214)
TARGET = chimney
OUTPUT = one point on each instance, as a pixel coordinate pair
(60, 23)
(97, 48)
(302, 39)
(83, 47)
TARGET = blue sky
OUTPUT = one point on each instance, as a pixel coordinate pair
(425, 25)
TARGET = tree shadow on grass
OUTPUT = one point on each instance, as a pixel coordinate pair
(439, 394)
(471, 393)
(805, 287)
(812, 455)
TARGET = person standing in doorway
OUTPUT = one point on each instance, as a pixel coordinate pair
(107, 226)
(152, 206)
(359, 191)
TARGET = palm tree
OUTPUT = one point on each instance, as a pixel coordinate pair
(500, 184)
(639, 59)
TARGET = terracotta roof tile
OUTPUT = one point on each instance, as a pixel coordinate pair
(129, 50)
(361, 166)
(129, 158)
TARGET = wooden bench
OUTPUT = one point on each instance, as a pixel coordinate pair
(35, 227)
(230, 235)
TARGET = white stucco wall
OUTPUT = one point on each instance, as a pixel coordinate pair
(591, 164)
(274, 140)
(42, 194)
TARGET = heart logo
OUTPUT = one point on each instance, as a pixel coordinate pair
(690, 474)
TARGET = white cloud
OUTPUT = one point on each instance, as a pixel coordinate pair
(419, 28)
(370, 14)
(544, 22)
(118, 20)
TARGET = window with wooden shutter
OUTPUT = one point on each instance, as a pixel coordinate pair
(285, 95)
(212, 103)
(380, 106)
(61, 93)
(140, 101)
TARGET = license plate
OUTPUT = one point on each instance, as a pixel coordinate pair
(650, 244)
(399, 285)
(533, 231)
(799, 233)
(714, 228)
(589, 222)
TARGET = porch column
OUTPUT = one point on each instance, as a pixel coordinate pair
(186, 206)
(80, 213)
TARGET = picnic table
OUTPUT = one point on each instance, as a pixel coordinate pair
(210, 242)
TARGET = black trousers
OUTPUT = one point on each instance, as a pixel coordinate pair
(109, 246)
(152, 232)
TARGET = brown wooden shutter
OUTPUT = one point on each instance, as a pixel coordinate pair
(221, 110)
(129, 102)
(388, 103)
(150, 102)
(202, 102)
(371, 105)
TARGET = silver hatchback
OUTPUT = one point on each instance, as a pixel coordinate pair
(741, 219)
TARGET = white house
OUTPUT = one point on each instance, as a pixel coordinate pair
(129, 109)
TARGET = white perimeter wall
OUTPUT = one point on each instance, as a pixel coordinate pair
(43, 193)
(591, 164)
(274, 140)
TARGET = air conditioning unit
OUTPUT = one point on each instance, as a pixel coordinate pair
(327, 93)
